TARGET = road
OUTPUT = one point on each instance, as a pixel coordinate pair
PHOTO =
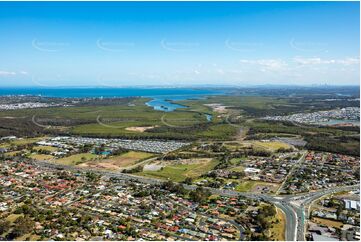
(301, 205)
(295, 207)
(296, 165)
(139, 164)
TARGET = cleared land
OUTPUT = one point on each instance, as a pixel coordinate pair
(270, 145)
(41, 157)
(26, 141)
(76, 159)
(140, 129)
(47, 148)
(17, 142)
(118, 162)
(255, 186)
(328, 222)
(181, 171)
(12, 153)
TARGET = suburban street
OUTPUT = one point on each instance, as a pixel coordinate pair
(295, 207)
(299, 162)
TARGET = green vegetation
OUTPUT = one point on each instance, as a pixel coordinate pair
(46, 148)
(327, 139)
(248, 104)
(246, 186)
(113, 117)
(22, 142)
(137, 155)
(41, 157)
(116, 162)
(277, 229)
(179, 173)
(271, 146)
(76, 159)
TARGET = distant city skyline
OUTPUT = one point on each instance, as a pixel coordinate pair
(115, 44)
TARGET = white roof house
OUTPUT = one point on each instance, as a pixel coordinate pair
(352, 205)
(251, 170)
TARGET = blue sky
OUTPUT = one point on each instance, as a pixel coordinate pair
(178, 43)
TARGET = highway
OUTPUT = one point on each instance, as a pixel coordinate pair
(295, 207)
(301, 205)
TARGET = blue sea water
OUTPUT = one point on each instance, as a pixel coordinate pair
(107, 92)
(162, 97)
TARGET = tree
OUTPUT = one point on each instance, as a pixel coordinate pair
(4, 226)
(23, 225)
(268, 211)
(199, 195)
(188, 181)
(92, 176)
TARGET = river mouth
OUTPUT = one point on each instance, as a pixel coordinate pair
(167, 104)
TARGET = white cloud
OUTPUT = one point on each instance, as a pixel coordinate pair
(12, 73)
(7, 73)
(267, 64)
(220, 71)
(320, 61)
(349, 61)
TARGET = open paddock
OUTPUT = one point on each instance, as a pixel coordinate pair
(76, 159)
(118, 162)
(256, 186)
(41, 157)
(272, 146)
(179, 172)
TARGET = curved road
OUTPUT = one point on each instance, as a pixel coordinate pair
(293, 206)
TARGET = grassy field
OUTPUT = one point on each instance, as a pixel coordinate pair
(41, 157)
(137, 155)
(277, 231)
(12, 217)
(241, 102)
(187, 123)
(318, 138)
(76, 159)
(23, 141)
(272, 146)
(237, 168)
(26, 141)
(246, 186)
(178, 173)
(219, 131)
(12, 153)
(117, 162)
(47, 148)
(167, 124)
(328, 222)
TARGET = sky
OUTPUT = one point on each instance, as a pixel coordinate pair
(115, 44)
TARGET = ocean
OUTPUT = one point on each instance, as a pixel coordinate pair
(161, 97)
(109, 92)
